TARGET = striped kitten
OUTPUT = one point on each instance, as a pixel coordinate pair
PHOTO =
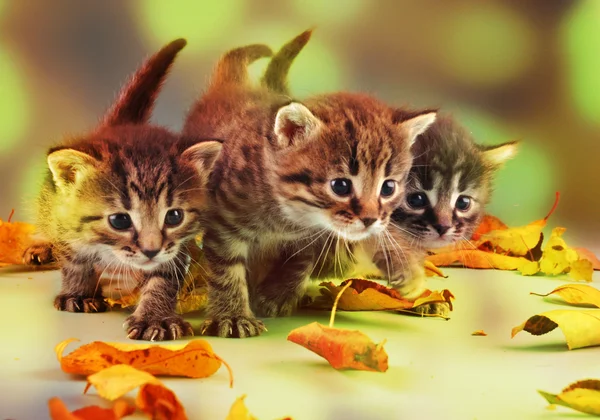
(290, 173)
(127, 196)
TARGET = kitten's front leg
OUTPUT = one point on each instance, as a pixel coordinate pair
(284, 286)
(407, 275)
(39, 253)
(228, 312)
(80, 291)
(154, 318)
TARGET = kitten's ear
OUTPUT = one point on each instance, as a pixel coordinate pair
(415, 123)
(498, 155)
(203, 155)
(69, 167)
(294, 123)
(136, 99)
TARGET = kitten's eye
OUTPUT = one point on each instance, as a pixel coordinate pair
(341, 186)
(417, 200)
(388, 187)
(174, 217)
(463, 203)
(120, 221)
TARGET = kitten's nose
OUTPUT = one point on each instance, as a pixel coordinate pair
(368, 221)
(150, 253)
(441, 229)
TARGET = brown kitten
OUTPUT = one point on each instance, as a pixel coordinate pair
(127, 197)
(290, 173)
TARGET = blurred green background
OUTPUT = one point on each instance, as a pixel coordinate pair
(507, 69)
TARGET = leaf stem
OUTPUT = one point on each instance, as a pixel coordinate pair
(335, 303)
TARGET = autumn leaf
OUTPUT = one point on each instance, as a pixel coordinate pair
(577, 294)
(239, 411)
(366, 295)
(343, 349)
(582, 396)
(15, 238)
(488, 224)
(581, 328)
(59, 411)
(194, 359)
(160, 403)
(475, 258)
(590, 256)
(480, 333)
(431, 270)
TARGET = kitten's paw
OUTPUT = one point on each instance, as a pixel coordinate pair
(71, 303)
(272, 308)
(440, 309)
(234, 327)
(38, 254)
(157, 329)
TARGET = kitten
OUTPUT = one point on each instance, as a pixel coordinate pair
(448, 168)
(127, 197)
(290, 173)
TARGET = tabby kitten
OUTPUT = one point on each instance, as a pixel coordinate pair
(448, 187)
(127, 196)
(290, 173)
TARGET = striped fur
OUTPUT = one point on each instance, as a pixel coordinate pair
(271, 193)
(130, 168)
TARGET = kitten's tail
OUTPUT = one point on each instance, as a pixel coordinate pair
(136, 99)
(232, 67)
(275, 77)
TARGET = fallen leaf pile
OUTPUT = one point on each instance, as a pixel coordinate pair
(495, 246)
(343, 349)
(15, 238)
(582, 396)
(366, 295)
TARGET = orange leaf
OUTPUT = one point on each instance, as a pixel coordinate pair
(478, 259)
(160, 403)
(194, 359)
(366, 295)
(58, 411)
(343, 349)
(15, 238)
(431, 270)
(590, 256)
(488, 223)
(479, 333)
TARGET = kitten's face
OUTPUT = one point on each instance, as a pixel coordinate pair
(138, 205)
(348, 178)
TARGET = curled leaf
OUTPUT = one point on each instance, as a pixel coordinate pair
(590, 256)
(239, 411)
(488, 224)
(195, 359)
(432, 270)
(59, 411)
(577, 294)
(343, 349)
(160, 403)
(581, 328)
(116, 381)
(582, 396)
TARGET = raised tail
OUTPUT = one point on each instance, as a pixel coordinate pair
(275, 77)
(136, 100)
(232, 68)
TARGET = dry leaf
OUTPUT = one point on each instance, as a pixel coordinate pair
(479, 333)
(194, 359)
(239, 411)
(581, 328)
(59, 411)
(116, 381)
(476, 258)
(577, 294)
(488, 224)
(343, 349)
(160, 403)
(590, 256)
(431, 270)
(15, 238)
(366, 295)
(582, 396)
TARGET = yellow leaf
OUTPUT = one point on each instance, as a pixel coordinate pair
(479, 333)
(476, 258)
(581, 328)
(582, 396)
(116, 381)
(530, 268)
(581, 270)
(60, 347)
(239, 411)
(431, 270)
(576, 294)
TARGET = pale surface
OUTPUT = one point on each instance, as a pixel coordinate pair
(437, 369)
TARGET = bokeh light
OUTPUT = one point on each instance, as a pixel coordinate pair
(328, 13)
(205, 24)
(317, 69)
(581, 44)
(14, 104)
(524, 188)
(485, 45)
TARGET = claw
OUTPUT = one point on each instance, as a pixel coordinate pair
(132, 333)
(154, 335)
